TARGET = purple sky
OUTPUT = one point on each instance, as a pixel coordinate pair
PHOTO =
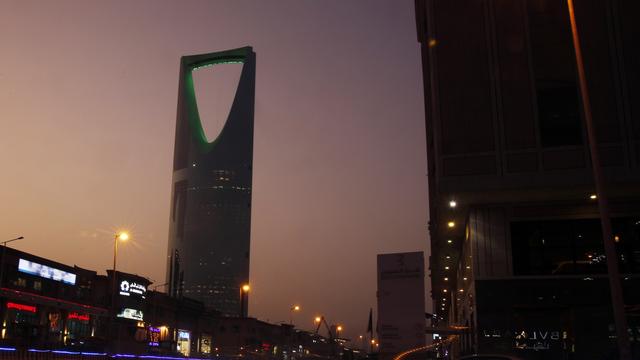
(88, 105)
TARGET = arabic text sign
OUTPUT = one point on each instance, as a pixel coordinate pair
(132, 314)
(127, 288)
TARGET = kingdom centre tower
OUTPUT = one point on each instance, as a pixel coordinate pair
(210, 218)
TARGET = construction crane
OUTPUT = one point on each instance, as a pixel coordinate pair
(321, 320)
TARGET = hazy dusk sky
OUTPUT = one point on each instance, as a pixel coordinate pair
(88, 93)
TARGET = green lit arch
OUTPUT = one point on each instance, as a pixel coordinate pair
(196, 62)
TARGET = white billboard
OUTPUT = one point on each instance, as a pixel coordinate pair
(401, 303)
(132, 314)
(33, 268)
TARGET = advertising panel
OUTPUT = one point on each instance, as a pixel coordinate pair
(184, 342)
(132, 288)
(33, 268)
(401, 303)
(205, 344)
(133, 314)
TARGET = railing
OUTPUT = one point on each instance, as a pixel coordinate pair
(427, 348)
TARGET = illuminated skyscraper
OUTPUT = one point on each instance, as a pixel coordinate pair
(210, 219)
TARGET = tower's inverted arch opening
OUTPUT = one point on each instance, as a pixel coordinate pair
(215, 88)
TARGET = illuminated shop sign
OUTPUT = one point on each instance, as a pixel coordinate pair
(538, 339)
(22, 307)
(531, 339)
(130, 287)
(184, 342)
(154, 336)
(46, 272)
(76, 316)
(205, 344)
(132, 314)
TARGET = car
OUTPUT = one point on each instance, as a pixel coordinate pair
(489, 357)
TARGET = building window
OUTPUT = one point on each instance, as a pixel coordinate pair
(563, 247)
(558, 116)
(553, 63)
(37, 285)
(21, 282)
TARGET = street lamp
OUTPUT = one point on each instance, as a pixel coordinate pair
(293, 308)
(244, 300)
(122, 236)
(4, 249)
(617, 296)
(338, 330)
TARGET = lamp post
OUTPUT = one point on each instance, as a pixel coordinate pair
(293, 309)
(123, 236)
(244, 300)
(119, 236)
(4, 249)
(617, 298)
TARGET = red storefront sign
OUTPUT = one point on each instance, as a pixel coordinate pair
(22, 307)
(75, 315)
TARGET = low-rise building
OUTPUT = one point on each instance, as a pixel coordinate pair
(46, 305)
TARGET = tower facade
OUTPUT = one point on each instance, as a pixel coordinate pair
(210, 217)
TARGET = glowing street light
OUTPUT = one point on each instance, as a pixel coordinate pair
(122, 236)
(244, 300)
(293, 309)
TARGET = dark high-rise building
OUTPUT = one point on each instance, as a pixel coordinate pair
(210, 219)
(517, 257)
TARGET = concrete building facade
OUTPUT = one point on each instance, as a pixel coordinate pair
(516, 247)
